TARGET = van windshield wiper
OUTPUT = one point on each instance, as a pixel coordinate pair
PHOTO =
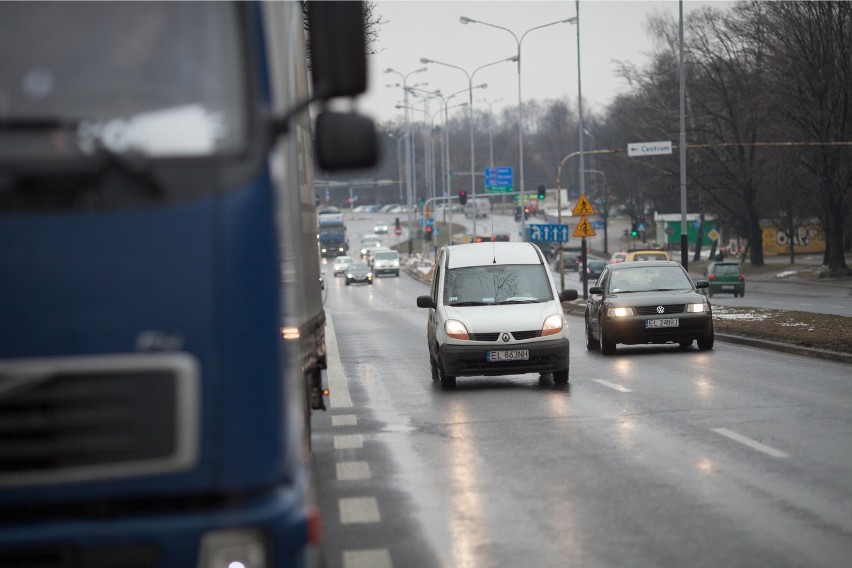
(519, 302)
(470, 303)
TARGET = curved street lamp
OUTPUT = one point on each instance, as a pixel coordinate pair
(408, 152)
(426, 60)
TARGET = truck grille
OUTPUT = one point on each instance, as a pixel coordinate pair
(94, 418)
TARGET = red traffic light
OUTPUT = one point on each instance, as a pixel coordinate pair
(462, 197)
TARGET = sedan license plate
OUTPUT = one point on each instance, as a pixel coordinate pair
(668, 322)
(513, 355)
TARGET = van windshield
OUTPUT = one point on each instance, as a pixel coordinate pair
(153, 78)
(497, 284)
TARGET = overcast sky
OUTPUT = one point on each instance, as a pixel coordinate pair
(610, 31)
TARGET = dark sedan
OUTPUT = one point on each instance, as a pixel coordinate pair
(359, 272)
(647, 302)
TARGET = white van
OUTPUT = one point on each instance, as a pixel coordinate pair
(384, 261)
(494, 309)
(481, 207)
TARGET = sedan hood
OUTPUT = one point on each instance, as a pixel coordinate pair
(647, 298)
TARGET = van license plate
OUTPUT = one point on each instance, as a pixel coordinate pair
(672, 322)
(514, 355)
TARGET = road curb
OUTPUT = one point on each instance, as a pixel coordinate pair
(786, 348)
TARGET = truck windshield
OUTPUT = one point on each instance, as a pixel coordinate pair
(152, 78)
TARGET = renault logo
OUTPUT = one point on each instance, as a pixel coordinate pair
(505, 338)
(661, 309)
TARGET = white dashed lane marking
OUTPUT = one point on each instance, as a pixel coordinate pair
(753, 444)
(353, 470)
(359, 510)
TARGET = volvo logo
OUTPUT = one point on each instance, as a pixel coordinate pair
(505, 338)
(661, 310)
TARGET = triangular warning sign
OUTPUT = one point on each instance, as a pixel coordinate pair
(583, 207)
(584, 228)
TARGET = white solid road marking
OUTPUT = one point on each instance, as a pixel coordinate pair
(376, 558)
(353, 471)
(613, 386)
(359, 510)
(338, 396)
(348, 442)
(754, 444)
(344, 420)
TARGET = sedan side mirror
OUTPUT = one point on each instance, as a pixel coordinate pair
(595, 290)
(425, 302)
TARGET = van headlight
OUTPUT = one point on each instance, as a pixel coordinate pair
(456, 329)
(552, 325)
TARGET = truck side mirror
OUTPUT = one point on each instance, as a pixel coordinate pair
(338, 49)
(345, 140)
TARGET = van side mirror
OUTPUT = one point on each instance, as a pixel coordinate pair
(425, 302)
(338, 49)
(568, 295)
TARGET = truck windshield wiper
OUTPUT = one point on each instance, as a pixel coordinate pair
(136, 167)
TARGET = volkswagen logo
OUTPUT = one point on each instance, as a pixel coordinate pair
(505, 338)
(661, 310)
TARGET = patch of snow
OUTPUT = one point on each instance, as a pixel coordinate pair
(786, 273)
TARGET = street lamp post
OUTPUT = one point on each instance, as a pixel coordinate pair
(408, 154)
(518, 41)
(469, 76)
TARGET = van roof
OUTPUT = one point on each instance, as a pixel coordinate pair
(480, 254)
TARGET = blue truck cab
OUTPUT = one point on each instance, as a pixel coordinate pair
(162, 335)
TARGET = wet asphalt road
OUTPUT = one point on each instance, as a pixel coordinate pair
(653, 457)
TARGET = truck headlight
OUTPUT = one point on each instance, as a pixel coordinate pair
(234, 548)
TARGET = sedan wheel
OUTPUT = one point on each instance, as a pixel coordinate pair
(705, 343)
(592, 344)
(607, 346)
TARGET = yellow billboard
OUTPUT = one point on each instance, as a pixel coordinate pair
(806, 239)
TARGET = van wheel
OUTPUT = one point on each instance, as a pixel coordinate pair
(436, 376)
(560, 377)
(448, 382)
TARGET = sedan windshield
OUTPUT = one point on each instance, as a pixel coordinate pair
(497, 284)
(648, 279)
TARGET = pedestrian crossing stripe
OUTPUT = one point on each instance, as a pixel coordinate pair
(583, 207)
(584, 229)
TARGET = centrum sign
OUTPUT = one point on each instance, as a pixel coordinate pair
(649, 148)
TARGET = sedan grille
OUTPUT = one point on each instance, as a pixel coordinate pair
(653, 311)
(88, 418)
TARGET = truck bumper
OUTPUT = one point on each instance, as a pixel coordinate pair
(159, 540)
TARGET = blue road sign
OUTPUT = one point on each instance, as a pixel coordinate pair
(430, 222)
(549, 233)
(499, 180)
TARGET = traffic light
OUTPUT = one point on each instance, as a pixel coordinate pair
(462, 197)
(427, 235)
(634, 230)
(542, 192)
(396, 223)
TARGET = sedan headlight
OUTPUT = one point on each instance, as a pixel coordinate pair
(619, 312)
(696, 308)
(455, 329)
(552, 325)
